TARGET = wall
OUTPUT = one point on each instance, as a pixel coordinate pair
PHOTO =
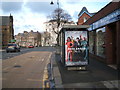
(81, 19)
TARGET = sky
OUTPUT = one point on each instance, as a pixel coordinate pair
(31, 14)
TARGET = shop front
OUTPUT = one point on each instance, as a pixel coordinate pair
(103, 35)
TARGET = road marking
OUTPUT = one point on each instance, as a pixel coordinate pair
(111, 84)
(6, 68)
(45, 79)
(42, 59)
(38, 80)
(45, 75)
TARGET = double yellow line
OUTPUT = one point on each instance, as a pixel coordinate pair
(45, 75)
(45, 79)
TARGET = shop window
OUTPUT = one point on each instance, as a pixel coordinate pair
(92, 42)
(100, 42)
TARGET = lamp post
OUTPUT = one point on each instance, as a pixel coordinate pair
(58, 19)
(58, 23)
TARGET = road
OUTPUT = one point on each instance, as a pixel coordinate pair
(25, 70)
(23, 50)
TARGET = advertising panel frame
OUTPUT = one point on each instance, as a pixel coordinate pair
(62, 34)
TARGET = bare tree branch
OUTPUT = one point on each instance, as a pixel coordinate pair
(60, 16)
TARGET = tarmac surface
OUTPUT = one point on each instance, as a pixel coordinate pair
(26, 70)
(97, 75)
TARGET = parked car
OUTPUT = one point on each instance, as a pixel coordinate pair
(12, 47)
(30, 46)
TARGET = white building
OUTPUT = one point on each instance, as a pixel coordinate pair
(52, 29)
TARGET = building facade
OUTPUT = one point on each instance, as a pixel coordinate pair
(45, 39)
(83, 16)
(6, 29)
(104, 34)
(52, 31)
(28, 38)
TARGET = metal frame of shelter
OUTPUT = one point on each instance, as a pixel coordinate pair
(62, 48)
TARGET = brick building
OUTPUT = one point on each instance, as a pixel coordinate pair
(7, 31)
(84, 15)
(104, 34)
(28, 38)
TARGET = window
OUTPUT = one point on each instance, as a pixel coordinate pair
(100, 42)
(85, 19)
(92, 42)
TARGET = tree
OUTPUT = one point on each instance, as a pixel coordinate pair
(60, 16)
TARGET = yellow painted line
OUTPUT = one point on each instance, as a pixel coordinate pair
(45, 79)
(45, 75)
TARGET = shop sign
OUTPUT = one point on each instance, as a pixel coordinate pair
(90, 28)
(113, 17)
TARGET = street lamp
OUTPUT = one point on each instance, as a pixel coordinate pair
(58, 23)
(51, 3)
(58, 20)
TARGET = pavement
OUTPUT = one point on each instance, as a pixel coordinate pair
(97, 76)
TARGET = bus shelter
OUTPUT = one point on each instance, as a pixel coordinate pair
(74, 47)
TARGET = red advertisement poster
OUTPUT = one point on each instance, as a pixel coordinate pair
(76, 48)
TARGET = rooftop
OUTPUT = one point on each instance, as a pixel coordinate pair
(4, 20)
(84, 9)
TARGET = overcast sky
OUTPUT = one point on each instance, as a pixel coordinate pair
(31, 14)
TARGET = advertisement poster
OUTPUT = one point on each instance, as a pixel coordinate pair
(76, 48)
